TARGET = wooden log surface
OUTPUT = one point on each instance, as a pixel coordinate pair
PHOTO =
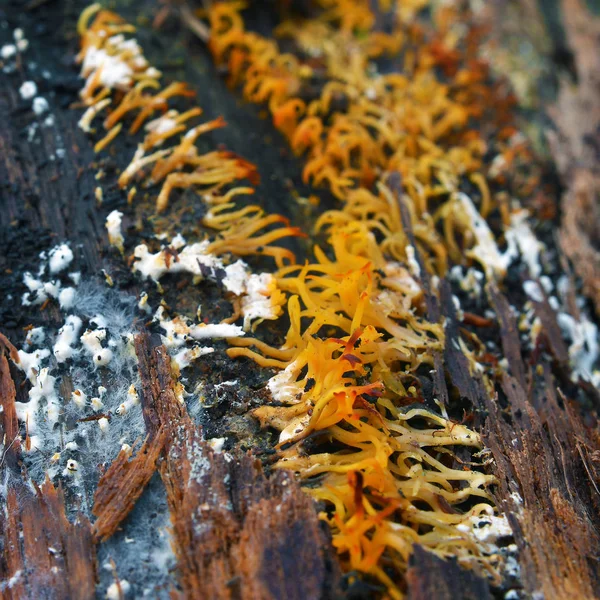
(261, 537)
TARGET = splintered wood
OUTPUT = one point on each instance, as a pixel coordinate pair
(43, 549)
(233, 529)
(40, 548)
(9, 427)
(547, 477)
(121, 486)
(575, 147)
(431, 577)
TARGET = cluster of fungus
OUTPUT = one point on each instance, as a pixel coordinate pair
(121, 85)
(404, 153)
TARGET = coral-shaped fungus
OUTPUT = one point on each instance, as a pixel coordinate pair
(403, 151)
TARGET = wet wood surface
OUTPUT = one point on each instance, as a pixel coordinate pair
(261, 536)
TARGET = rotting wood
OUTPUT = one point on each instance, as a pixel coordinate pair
(582, 451)
(123, 483)
(237, 534)
(9, 428)
(433, 307)
(455, 361)
(546, 484)
(551, 331)
(40, 549)
(576, 146)
(508, 334)
(448, 583)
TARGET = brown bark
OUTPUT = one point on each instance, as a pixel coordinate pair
(42, 550)
(448, 583)
(576, 147)
(9, 428)
(548, 481)
(121, 486)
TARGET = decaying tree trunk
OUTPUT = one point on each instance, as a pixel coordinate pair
(260, 536)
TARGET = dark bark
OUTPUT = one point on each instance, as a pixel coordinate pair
(448, 583)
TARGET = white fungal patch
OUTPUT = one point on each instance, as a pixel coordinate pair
(256, 291)
(284, 387)
(215, 330)
(533, 291)
(584, 349)
(411, 261)
(92, 342)
(398, 278)
(68, 335)
(43, 389)
(8, 51)
(36, 294)
(132, 400)
(178, 242)
(486, 529)
(236, 277)
(521, 235)
(398, 289)
(60, 258)
(177, 331)
(107, 333)
(30, 363)
(10, 583)
(184, 358)
(118, 590)
(114, 72)
(39, 290)
(217, 444)
(470, 282)
(486, 250)
(28, 90)
(143, 303)
(20, 41)
(40, 106)
(113, 227)
(114, 64)
(66, 298)
(96, 404)
(460, 315)
(79, 399)
(99, 321)
(52, 288)
(190, 259)
(257, 302)
(72, 471)
(35, 336)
